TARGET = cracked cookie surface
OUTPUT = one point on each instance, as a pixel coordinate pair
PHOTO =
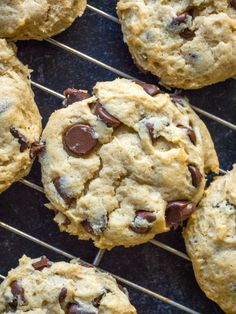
(140, 171)
(210, 239)
(20, 121)
(33, 19)
(39, 286)
(187, 44)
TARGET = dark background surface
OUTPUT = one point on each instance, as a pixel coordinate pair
(22, 207)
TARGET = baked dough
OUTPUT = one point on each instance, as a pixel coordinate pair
(20, 121)
(38, 286)
(125, 164)
(187, 44)
(210, 239)
(37, 19)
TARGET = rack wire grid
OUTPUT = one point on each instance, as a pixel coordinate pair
(158, 274)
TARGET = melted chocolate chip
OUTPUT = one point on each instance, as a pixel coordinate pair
(190, 132)
(196, 175)
(73, 95)
(233, 3)
(181, 18)
(105, 116)
(37, 148)
(62, 295)
(150, 89)
(178, 211)
(22, 140)
(187, 34)
(79, 139)
(87, 226)
(67, 199)
(18, 293)
(142, 215)
(43, 263)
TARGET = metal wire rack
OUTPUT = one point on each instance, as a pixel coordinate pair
(97, 259)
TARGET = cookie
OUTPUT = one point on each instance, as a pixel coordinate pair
(125, 164)
(210, 239)
(39, 286)
(187, 44)
(29, 19)
(20, 121)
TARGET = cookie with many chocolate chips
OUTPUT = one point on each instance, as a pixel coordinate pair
(20, 121)
(39, 286)
(210, 238)
(125, 164)
(187, 44)
(29, 19)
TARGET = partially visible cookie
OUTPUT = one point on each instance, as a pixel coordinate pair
(125, 164)
(41, 287)
(20, 121)
(29, 19)
(210, 239)
(187, 44)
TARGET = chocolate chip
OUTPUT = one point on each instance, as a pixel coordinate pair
(62, 294)
(73, 95)
(178, 211)
(18, 293)
(43, 263)
(150, 89)
(233, 3)
(97, 300)
(106, 117)
(150, 128)
(67, 199)
(179, 99)
(22, 140)
(66, 222)
(142, 221)
(87, 226)
(196, 175)
(73, 308)
(97, 227)
(181, 18)
(187, 34)
(36, 149)
(191, 134)
(80, 139)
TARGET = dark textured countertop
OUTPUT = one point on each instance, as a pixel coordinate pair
(22, 207)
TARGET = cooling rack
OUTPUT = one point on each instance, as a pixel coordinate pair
(146, 299)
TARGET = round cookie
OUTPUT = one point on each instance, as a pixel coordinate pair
(20, 121)
(29, 19)
(125, 164)
(39, 286)
(210, 239)
(187, 44)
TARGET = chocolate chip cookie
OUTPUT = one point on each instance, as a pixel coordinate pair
(210, 239)
(29, 19)
(125, 164)
(20, 121)
(40, 286)
(187, 44)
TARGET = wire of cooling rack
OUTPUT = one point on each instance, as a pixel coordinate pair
(34, 186)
